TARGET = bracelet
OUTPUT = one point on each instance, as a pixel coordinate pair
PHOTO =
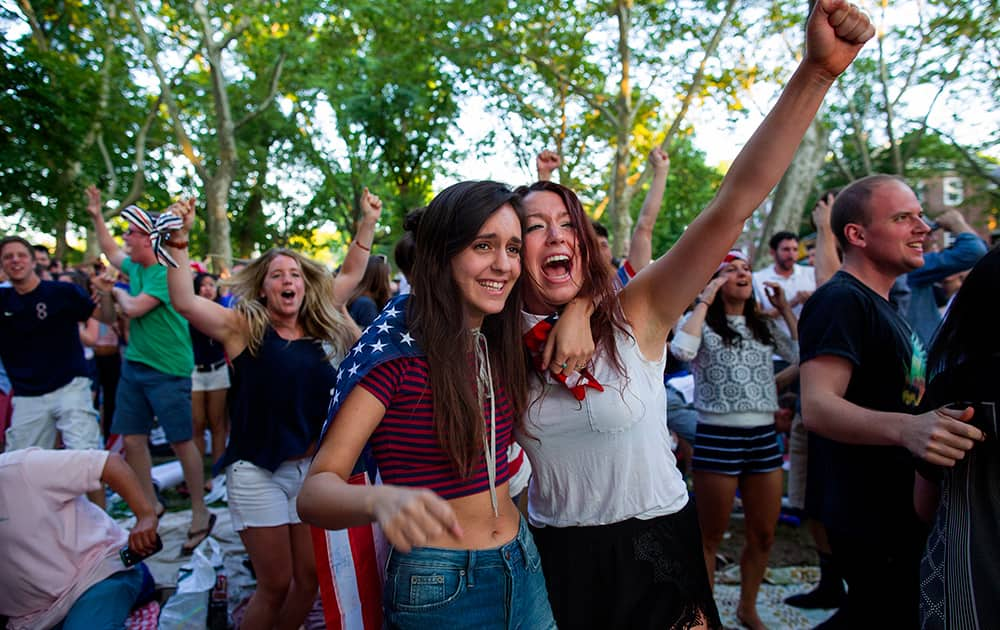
(362, 247)
(179, 245)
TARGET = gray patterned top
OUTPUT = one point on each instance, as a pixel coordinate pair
(731, 379)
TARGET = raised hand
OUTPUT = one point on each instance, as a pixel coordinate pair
(660, 161)
(953, 221)
(707, 294)
(413, 518)
(93, 201)
(103, 282)
(371, 206)
(821, 212)
(836, 32)
(183, 208)
(546, 162)
(776, 295)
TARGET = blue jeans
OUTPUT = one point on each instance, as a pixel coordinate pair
(484, 589)
(105, 605)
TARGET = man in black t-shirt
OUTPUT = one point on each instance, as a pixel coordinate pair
(862, 372)
(41, 350)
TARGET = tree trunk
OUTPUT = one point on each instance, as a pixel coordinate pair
(621, 229)
(220, 248)
(791, 193)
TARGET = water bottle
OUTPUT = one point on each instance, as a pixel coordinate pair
(218, 604)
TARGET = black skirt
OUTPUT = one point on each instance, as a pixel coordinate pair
(632, 574)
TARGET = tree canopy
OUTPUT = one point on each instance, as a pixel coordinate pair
(276, 116)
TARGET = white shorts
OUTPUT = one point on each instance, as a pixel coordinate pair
(260, 498)
(215, 379)
(69, 409)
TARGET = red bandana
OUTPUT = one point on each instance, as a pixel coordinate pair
(535, 340)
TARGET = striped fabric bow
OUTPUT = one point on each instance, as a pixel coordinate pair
(535, 340)
(159, 230)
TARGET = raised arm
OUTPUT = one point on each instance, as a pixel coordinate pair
(111, 250)
(409, 517)
(223, 324)
(776, 296)
(835, 34)
(687, 339)
(963, 254)
(640, 249)
(546, 162)
(353, 269)
(826, 262)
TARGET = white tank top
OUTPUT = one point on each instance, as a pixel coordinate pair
(607, 458)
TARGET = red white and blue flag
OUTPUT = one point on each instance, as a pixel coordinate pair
(351, 563)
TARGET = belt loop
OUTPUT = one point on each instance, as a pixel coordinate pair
(470, 569)
(522, 534)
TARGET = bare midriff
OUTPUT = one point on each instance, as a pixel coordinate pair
(480, 528)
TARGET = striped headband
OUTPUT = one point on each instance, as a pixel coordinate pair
(734, 254)
(159, 230)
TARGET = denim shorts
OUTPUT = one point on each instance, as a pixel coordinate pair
(481, 590)
(144, 392)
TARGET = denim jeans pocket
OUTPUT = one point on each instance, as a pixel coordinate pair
(415, 587)
(532, 559)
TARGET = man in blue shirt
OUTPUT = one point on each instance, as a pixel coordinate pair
(41, 351)
(922, 312)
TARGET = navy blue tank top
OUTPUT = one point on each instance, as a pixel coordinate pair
(278, 400)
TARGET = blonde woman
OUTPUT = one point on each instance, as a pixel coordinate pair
(286, 336)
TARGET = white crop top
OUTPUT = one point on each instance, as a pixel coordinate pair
(607, 458)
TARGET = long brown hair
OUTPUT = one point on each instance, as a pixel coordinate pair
(716, 319)
(599, 279)
(436, 317)
(375, 282)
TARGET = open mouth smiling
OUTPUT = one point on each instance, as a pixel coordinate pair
(557, 266)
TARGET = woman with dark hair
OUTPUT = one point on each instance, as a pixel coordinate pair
(960, 569)
(619, 540)
(730, 345)
(286, 334)
(372, 292)
(209, 380)
(441, 383)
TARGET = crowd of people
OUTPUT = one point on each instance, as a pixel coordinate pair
(511, 395)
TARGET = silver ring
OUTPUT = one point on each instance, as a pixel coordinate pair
(563, 366)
